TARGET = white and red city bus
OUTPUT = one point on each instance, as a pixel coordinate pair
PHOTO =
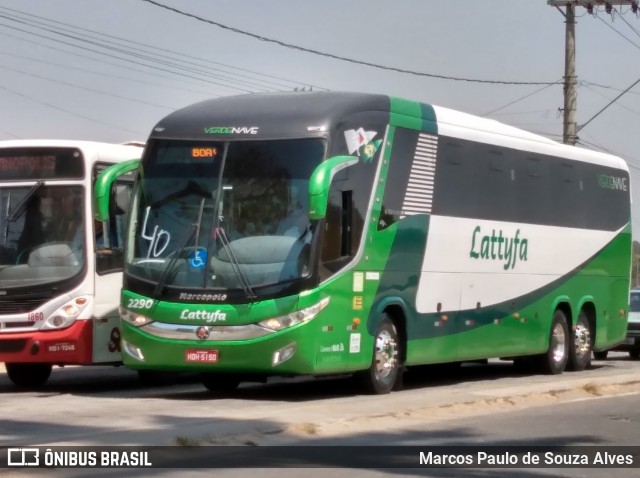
(60, 271)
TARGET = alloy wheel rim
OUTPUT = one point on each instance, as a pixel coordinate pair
(582, 340)
(386, 355)
(558, 343)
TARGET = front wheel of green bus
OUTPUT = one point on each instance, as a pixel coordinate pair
(384, 373)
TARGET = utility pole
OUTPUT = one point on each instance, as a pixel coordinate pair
(570, 78)
(570, 126)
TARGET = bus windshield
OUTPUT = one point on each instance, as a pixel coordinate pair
(42, 235)
(223, 215)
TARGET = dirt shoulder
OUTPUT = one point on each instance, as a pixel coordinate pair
(420, 406)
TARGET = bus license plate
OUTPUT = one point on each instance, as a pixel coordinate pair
(201, 356)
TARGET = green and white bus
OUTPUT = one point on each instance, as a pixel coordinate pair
(326, 233)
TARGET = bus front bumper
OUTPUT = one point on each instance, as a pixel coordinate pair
(69, 346)
(276, 354)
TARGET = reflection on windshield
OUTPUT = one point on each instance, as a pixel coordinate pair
(42, 234)
(247, 202)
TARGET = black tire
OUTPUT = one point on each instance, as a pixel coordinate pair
(385, 372)
(602, 355)
(634, 353)
(554, 360)
(219, 383)
(580, 345)
(28, 375)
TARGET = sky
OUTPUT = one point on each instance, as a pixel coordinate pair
(110, 70)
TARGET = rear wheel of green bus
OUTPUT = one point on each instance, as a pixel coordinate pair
(384, 372)
(554, 361)
(580, 345)
(28, 375)
(219, 383)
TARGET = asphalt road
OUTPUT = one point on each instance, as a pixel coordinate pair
(480, 405)
(105, 406)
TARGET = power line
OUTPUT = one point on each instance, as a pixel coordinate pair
(619, 33)
(104, 62)
(625, 21)
(570, 126)
(630, 161)
(28, 18)
(608, 104)
(9, 134)
(521, 98)
(620, 105)
(587, 84)
(139, 54)
(136, 100)
(244, 90)
(154, 67)
(92, 72)
(338, 57)
(69, 112)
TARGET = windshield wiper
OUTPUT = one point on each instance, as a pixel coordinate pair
(193, 228)
(235, 264)
(20, 208)
(218, 230)
(22, 205)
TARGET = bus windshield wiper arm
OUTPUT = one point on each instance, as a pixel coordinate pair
(20, 208)
(235, 264)
(22, 205)
(193, 228)
(218, 230)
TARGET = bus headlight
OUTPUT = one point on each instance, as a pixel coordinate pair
(134, 318)
(66, 315)
(294, 318)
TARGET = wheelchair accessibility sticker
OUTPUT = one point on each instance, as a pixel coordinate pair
(197, 259)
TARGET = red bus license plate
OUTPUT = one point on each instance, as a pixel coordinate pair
(207, 356)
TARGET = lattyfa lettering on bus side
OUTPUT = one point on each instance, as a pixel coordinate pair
(499, 247)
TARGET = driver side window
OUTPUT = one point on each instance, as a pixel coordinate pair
(109, 234)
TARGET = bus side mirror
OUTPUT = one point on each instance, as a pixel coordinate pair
(102, 189)
(320, 182)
